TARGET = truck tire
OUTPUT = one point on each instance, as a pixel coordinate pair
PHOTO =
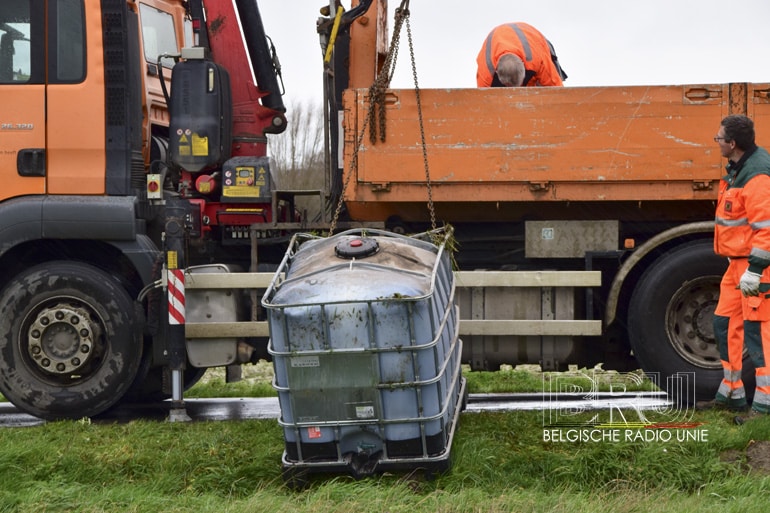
(670, 322)
(70, 344)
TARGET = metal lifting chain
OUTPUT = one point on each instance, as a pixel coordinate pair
(431, 207)
(377, 106)
(382, 82)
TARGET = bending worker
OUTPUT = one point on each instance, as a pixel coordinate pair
(516, 55)
(742, 233)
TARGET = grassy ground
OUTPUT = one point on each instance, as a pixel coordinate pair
(501, 463)
(257, 381)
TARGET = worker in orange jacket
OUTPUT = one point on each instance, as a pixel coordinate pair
(742, 233)
(515, 55)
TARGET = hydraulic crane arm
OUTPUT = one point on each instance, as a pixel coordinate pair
(233, 33)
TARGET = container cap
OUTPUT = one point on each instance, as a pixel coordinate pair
(356, 247)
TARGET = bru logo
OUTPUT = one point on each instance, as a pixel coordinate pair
(602, 407)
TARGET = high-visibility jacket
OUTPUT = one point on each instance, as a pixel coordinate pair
(742, 223)
(529, 45)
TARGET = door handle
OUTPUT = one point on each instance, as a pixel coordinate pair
(31, 162)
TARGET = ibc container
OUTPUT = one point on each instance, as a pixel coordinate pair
(366, 353)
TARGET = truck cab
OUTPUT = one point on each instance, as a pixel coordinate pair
(91, 190)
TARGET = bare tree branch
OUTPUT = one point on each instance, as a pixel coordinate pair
(298, 153)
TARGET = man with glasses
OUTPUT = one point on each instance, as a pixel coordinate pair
(742, 233)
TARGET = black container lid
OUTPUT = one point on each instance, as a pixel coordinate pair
(357, 247)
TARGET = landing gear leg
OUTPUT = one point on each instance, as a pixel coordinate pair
(175, 262)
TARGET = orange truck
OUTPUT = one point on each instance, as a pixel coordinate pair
(133, 148)
(619, 180)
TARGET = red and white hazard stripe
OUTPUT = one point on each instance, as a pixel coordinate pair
(176, 296)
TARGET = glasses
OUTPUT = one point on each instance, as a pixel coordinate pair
(717, 139)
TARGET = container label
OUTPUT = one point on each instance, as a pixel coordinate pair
(200, 146)
(364, 412)
(305, 361)
(313, 432)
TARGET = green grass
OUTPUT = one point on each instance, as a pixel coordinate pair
(529, 378)
(257, 381)
(501, 463)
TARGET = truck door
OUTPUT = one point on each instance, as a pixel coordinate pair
(51, 111)
(22, 98)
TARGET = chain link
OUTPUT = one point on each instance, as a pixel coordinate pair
(431, 207)
(376, 116)
(376, 99)
(382, 82)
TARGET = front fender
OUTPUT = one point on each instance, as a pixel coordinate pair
(66, 217)
(111, 219)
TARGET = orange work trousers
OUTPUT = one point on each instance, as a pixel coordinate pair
(743, 323)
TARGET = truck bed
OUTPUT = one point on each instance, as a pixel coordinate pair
(494, 148)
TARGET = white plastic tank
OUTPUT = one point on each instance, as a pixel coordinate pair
(363, 335)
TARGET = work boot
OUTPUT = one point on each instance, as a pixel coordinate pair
(718, 405)
(751, 415)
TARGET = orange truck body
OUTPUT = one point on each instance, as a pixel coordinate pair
(617, 179)
(500, 152)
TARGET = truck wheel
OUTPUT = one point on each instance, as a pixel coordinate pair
(670, 321)
(70, 344)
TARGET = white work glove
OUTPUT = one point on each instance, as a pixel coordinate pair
(749, 283)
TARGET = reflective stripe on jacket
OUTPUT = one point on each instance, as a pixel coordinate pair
(528, 44)
(742, 223)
